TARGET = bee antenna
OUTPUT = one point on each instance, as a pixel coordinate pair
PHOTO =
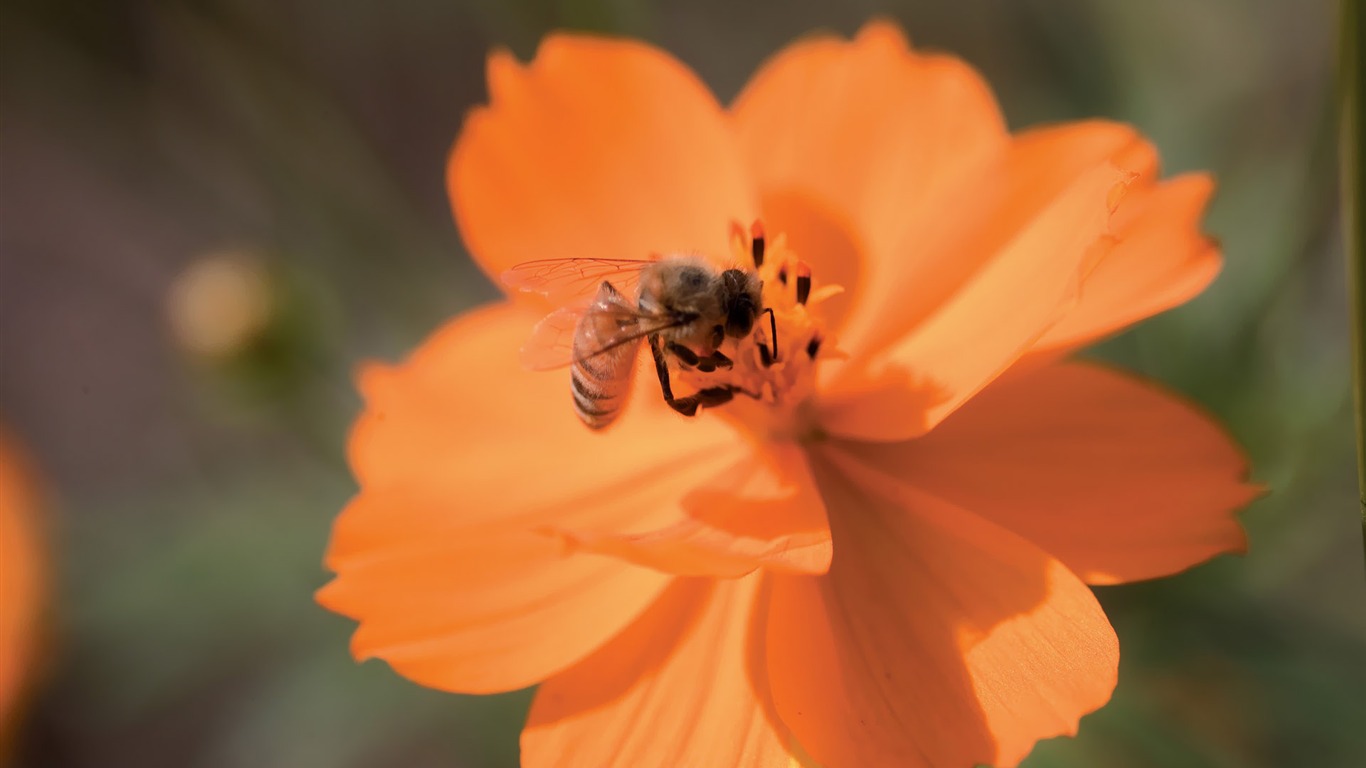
(773, 338)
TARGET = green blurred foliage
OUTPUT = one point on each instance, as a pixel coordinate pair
(196, 499)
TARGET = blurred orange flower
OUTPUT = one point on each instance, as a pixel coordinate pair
(883, 558)
(22, 581)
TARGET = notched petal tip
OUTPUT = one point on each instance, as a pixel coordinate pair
(1126, 180)
(324, 595)
(371, 376)
(501, 73)
(585, 130)
(1200, 185)
(1114, 476)
(358, 650)
(331, 596)
(1160, 259)
(884, 32)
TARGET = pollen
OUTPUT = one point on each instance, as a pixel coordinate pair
(774, 372)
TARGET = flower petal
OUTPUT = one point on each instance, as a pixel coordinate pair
(459, 413)
(937, 637)
(869, 130)
(822, 237)
(673, 689)
(1114, 477)
(23, 580)
(759, 512)
(1161, 260)
(1038, 229)
(443, 556)
(597, 148)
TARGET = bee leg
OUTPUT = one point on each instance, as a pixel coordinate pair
(686, 406)
(718, 360)
(714, 396)
(707, 398)
(703, 363)
(685, 355)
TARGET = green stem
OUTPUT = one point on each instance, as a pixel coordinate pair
(1353, 82)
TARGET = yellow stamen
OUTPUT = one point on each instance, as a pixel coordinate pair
(775, 380)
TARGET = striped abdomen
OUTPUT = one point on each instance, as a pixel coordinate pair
(600, 377)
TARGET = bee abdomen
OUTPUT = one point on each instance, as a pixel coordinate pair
(600, 388)
(601, 378)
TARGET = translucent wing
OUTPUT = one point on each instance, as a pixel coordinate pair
(552, 341)
(565, 281)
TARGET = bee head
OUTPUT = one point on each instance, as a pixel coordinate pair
(742, 301)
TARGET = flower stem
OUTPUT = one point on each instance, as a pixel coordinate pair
(1353, 83)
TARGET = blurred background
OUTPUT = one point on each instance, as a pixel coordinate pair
(213, 208)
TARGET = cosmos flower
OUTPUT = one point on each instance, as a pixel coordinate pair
(22, 583)
(879, 553)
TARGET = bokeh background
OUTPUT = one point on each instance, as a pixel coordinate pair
(213, 208)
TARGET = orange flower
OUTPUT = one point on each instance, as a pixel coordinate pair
(22, 582)
(882, 557)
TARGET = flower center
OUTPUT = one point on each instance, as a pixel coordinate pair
(774, 371)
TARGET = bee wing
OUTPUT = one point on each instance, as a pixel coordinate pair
(567, 280)
(552, 340)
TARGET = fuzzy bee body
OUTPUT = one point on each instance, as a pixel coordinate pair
(601, 382)
(683, 306)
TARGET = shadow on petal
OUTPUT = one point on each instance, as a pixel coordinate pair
(671, 689)
(762, 511)
(1116, 477)
(822, 239)
(936, 636)
(890, 405)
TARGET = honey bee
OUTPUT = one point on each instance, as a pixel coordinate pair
(682, 305)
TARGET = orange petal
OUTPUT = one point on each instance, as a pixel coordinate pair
(1008, 273)
(597, 148)
(936, 639)
(23, 580)
(837, 256)
(443, 556)
(869, 130)
(1114, 477)
(475, 611)
(1161, 260)
(759, 512)
(673, 689)
(462, 417)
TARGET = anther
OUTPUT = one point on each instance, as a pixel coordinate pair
(803, 282)
(813, 346)
(756, 243)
